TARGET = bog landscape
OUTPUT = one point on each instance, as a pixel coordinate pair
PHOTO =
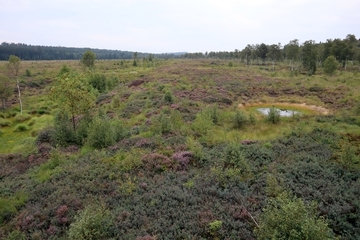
(259, 143)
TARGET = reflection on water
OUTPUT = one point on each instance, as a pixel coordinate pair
(283, 112)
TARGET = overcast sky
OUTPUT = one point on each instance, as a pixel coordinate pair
(158, 26)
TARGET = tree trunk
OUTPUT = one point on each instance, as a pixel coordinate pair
(18, 87)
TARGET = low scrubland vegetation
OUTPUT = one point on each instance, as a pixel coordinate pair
(176, 149)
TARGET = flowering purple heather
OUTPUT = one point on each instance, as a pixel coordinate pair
(183, 158)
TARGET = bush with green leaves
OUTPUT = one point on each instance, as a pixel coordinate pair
(64, 133)
(214, 114)
(240, 119)
(120, 131)
(202, 123)
(214, 227)
(111, 82)
(98, 81)
(176, 120)
(64, 70)
(101, 134)
(161, 124)
(290, 218)
(196, 148)
(82, 129)
(330, 65)
(88, 59)
(168, 97)
(93, 222)
(10, 205)
(273, 115)
(28, 73)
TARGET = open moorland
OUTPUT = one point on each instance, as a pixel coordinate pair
(178, 149)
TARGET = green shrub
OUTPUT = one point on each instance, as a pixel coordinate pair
(7, 209)
(202, 123)
(98, 81)
(45, 136)
(22, 117)
(227, 176)
(21, 127)
(93, 222)
(214, 227)
(102, 133)
(214, 114)
(196, 148)
(330, 65)
(161, 124)
(115, 102)
(64, 70)
(168, 97)
(234, 156)
(111, 82)
(176, 120)
(240, 119)
(291, 218)
(64, 134)
(274, 186)
(252, 119)
(120, 130)
(273, 115)
(28, 73)
(10, 205)
(82, 129)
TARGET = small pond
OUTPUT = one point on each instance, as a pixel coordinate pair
(283, 112)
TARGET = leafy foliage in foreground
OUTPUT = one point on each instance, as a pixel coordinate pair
(286, 218)
(170, 197)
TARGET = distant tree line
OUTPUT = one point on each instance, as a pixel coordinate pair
(343, 50)
(32, 52)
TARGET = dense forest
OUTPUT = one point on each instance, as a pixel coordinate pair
(31, 52)
(344, 50)
(262, 143)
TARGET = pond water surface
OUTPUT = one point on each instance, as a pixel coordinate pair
(282, 112)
